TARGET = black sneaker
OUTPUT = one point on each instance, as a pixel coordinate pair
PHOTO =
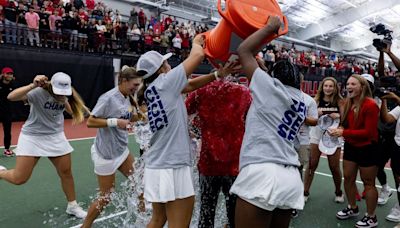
(367, 222)
(295, 213)
(348, 212)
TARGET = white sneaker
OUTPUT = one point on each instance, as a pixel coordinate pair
(2, 168)
(384, 196)
(394, 214)
(339, 199)
(305, 199)
(76, 211)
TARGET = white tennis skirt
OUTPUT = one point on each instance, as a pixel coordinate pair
(165, 185)
(269, 186)
(54, 145)
(104, 167)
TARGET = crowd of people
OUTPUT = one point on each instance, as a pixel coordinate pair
(91, 27)
(274, 130)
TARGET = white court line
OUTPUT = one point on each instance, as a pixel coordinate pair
(124, 212)
(104, 218)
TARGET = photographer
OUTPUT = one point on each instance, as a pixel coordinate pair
(388, 132)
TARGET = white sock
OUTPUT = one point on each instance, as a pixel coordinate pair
(72, 203)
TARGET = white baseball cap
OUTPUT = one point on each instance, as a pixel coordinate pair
(150, 62)
(328, 144)
(369, 78)
(61, 84)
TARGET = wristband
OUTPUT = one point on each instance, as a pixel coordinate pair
(216, 75)
(112, 122)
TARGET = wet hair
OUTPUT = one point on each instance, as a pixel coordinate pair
(287, 73)
(127, 73)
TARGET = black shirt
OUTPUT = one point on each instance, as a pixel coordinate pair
(21, 16)
(327, 107)
(10, 13)
(5, 89)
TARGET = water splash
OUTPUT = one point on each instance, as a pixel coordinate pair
(126, 199)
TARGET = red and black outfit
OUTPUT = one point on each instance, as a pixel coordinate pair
(221, 108)
(5, 112)
(361, 135)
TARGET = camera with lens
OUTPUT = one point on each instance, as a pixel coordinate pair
(380, 29)
(386, 85)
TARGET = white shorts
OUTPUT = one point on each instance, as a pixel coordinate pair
(54, 145)
(165, 185)
(269, 186)
(104, 167)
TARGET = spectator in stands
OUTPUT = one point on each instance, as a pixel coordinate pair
(10, 22)
(78, 4)
(100, 41)
(164, 43)
(22, 32)
(75, 25)
(360, 130)
(43, 133)
(148, 40)
(90, 4)
(6, 87)
(134, 37)
(177, 45)
(82, 35)
(133, 18)
(142, 18)
(32, 20)
(1, 23)
(92, 32)
(55, 24)
(44, 27)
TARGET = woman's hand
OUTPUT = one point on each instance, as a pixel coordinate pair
(334, 115)
(336, 132)
(123, 124)
(40, 80)
(199, 39)
(228, 68)
(274, 23)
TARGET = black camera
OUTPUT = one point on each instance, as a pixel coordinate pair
(380, 29)
(386, 85)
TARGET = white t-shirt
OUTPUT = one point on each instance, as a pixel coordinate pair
(273, 121)
(111, 142)
(312, 112)
(167, 114)
(46, 114)
(396, 114)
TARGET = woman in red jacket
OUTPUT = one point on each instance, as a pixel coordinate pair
(359, 128)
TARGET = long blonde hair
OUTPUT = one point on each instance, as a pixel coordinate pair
(78, 107)
(336, 97)
(349, 102)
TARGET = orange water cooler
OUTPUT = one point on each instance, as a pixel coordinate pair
(239, 20)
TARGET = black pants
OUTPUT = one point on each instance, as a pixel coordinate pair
(210, 186)
(7, 131)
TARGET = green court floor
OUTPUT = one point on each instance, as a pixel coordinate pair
(41, 202)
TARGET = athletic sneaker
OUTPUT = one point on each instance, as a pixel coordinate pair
(394, 214)
(76, 211)
(8, 153)
(340, 198)
(384, 196)
(348, 212)
(295, 213)
(367, 222)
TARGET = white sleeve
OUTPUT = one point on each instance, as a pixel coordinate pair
(175, 80)
(100, 108)
(395, 112)
(312, 109)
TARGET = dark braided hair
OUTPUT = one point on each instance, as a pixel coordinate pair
(287, 73)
